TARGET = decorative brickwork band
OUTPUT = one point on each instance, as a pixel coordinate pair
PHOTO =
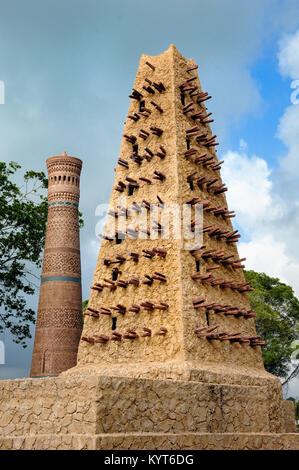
(61, 278)
(63, 203)
(59, 317)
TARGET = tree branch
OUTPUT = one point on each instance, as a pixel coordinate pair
(293, 374)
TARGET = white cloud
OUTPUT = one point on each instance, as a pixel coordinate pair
(288, 56)
(288, 132)
(243, 145)
(267, 202)
(264, 253)
(248, 180)
(265, 215)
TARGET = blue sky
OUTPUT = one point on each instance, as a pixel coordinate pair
(69, 65)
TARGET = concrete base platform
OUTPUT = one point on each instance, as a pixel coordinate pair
(183, 441)
(91, 411)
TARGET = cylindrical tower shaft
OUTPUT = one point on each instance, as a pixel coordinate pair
(59, 316)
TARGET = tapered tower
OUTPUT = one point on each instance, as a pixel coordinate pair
(154, 303)
(59, 318)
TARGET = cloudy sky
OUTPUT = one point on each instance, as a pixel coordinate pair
(69, 65)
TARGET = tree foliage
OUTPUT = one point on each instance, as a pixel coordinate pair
(277, 321)
(84, 306)
(23, 216)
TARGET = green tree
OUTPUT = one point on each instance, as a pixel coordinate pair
(277, 322)
(23, 216)
(84, 305)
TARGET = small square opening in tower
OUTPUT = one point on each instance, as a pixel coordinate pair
(130, 190)
(114, 321)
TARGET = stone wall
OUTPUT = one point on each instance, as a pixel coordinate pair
(105, 412)
(288, 413)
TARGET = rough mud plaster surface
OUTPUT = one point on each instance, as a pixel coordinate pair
(114, 404)
(104, 412)
(149, 441)
(180, 343)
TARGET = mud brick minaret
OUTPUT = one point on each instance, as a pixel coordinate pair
(169, 357)
(59, 317)
(198, 299)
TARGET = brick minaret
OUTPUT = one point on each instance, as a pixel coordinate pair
(59, 317)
